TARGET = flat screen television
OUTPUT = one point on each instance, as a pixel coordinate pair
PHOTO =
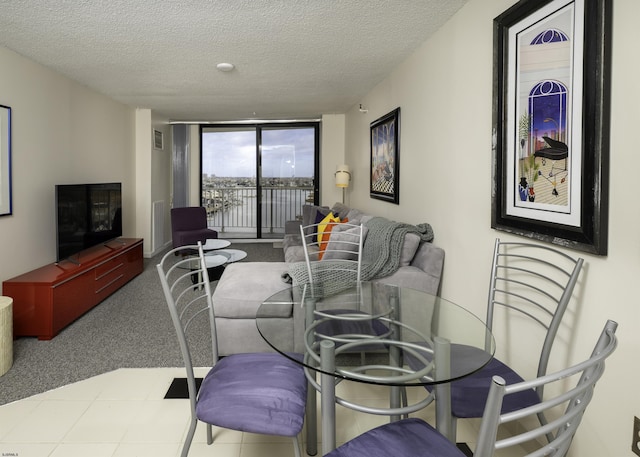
(86, 215)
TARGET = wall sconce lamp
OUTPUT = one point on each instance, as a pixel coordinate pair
(343, 177)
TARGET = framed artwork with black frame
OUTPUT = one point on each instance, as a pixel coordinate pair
(5, 161)
(384, 181)
(551, 122)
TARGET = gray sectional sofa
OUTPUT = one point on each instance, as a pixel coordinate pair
(243, 286)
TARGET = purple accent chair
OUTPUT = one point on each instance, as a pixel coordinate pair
(262, 393)
(189, 225)
(572, 388)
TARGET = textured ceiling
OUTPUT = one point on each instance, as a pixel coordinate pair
(293, 58)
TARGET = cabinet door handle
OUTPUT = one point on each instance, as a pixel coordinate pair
(114, 280)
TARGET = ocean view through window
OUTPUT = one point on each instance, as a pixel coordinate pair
(255, 178)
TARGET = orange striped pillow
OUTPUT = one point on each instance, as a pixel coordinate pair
(323, 238)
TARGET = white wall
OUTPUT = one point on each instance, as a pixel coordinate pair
(444, 91)
(153, 175)
(332, 155)
(144, 146)
(62, 132)
(161, 184)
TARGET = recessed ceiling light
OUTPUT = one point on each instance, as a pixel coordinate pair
(225, 66)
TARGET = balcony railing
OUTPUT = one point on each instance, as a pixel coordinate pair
(235, 209)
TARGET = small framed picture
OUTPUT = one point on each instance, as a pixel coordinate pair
(158, 139)
(385, 158)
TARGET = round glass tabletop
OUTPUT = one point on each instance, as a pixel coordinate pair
(379, 333)
(214, 243)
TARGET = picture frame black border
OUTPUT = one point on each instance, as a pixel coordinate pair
(394, 196)
(592, 234)
(6, 137)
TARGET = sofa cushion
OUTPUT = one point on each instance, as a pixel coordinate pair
(355, 215)
(309, 214)
(291, 240)
(241, 335)
(409, 248)
(296, 253)
(340, 246)
(340, 209)
(243, 287)
(326, 234)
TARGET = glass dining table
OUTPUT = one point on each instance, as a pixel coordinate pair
(376, 333)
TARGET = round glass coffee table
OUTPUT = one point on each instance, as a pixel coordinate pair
(217, 259)
(213, 244)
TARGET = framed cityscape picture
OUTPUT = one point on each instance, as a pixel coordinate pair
(385, 158)
(551, 122)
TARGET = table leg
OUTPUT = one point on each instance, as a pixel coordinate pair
(312, 407)
(442, 356)
(395, 358)
(395, 394)
(311, 420)
(328, 395)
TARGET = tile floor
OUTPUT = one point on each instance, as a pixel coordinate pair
(123, 414)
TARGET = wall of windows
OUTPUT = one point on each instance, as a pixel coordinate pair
(256, 177)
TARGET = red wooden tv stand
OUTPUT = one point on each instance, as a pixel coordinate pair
(48, 299)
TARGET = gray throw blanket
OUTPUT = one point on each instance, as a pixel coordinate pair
(383, 245)
(380, 252)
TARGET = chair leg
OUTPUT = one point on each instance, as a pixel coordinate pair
(405, 402)
(189, 438)
(209, 434)
(296, 446)
(454, 427)
(311, 420)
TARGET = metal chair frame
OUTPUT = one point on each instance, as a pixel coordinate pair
(573, 389)
(347, 267)
(187, 290)
(559, 429)
(536, 281)
(506, 260)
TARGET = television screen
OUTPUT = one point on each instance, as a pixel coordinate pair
(86, 215)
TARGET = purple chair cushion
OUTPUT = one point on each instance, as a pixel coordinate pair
(189, 237)
(257, 393)
(347, 328)
(405, 438)
(469, 394)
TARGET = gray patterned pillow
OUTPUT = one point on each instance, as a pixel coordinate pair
(344, 241)
(409, 248)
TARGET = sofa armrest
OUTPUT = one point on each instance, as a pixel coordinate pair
(424, 273)
(430, 259)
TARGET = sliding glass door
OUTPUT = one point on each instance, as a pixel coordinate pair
(256, 177)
